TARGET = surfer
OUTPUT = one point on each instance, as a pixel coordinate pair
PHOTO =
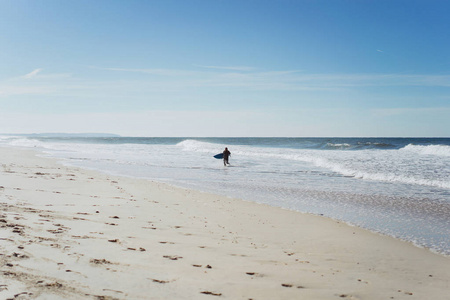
(226, 155)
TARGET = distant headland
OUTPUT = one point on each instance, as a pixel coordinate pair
(58, 134)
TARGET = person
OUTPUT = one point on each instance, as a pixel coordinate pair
(226, 155)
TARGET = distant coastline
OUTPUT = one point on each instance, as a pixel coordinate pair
(58, 134)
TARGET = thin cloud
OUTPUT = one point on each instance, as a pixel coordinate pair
(32, 74)
(389, 112)
(164, 72)
(176, 81)
(231, 68)
(24, 90)
(37, 73)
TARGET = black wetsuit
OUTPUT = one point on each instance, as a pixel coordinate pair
(226, 155)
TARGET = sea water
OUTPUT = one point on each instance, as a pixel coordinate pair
(394, 186)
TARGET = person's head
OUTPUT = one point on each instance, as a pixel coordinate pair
(226, 148)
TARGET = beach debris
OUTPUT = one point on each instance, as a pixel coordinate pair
(23, 293)
(100, 297)
(302, 261)
(115, 291)
(211, 293)
(18, 255)
(114, 241)
(159, 281)
(100, 261)
(6, 273)
(173, 257)
(286, 285)
(164, 242)
(406, 293)
(54, 284)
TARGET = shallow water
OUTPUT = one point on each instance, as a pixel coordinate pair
(398, 187)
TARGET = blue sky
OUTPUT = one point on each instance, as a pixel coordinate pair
(226, 68)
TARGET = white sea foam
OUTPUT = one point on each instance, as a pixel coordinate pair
(338, 146)
(439, 150)
(27, 143)
(402, 166)
(193, 145)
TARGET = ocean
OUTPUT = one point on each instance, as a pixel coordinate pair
(393, 186)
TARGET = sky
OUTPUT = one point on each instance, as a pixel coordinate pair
(291, 68)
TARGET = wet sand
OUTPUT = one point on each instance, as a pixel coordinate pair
(69, 233)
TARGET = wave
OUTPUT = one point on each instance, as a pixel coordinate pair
(338, 146)
(26, 143)
(376, 144)
(376, 176)
(358, 146)
(438, 150)
(387, 166)
(350, 171)
(407, 165)
(197, 146)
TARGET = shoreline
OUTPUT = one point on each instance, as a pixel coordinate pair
(68, 232)
(174, 185)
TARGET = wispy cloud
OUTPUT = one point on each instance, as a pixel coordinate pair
(162, 72)
(6, 91)
(415, 111)
(32, 74)
(38, 74)
(36, 83)
(232, 68)
(284, 79)
(143, 81)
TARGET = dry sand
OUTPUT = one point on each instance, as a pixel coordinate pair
(69, 233)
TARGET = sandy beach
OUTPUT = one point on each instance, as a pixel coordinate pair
(69, 233)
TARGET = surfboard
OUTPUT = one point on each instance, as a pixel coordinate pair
(219, 156)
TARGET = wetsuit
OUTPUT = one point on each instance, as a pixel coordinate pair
(226, 155)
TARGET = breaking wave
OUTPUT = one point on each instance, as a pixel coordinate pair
(438, 150)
